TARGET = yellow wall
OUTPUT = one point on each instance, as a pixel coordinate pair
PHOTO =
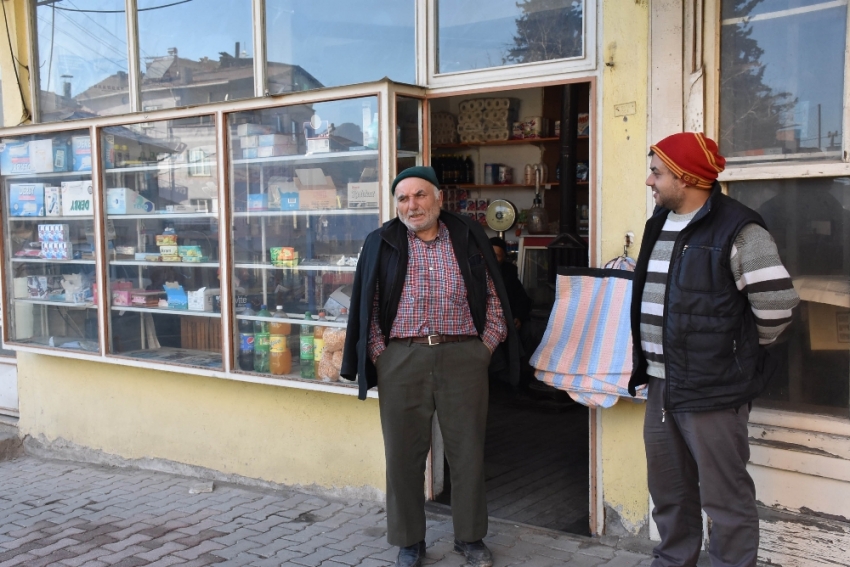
(13, 109)
(625, 43)
(277, 434)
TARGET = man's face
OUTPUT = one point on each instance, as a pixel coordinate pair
(667, 190)
(500, 253)
(418, 204)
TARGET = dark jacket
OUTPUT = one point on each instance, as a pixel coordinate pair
(383, 266)
(520, 302)
(712, 356)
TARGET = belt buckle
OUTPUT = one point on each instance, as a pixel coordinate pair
(429, 340)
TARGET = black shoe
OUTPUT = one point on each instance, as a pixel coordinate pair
(477, 554)
(411, 556)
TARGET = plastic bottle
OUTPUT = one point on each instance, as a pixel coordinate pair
(469, 170)
(306, 348)
(318, 343)
(280, 357)
(261, 341)
(246, 341)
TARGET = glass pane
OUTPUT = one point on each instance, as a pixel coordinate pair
(48, 224)
(162, 230)
(480, 35)
(339, 42)
(82, 59)
(304, 189)
(782, 80)
(810, 222)
(213, 63)
(535, 277)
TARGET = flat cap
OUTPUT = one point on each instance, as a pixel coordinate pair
(421, 171)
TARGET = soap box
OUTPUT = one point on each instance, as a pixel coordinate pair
(76, 198)
(123, 201)
(26, 199)
(202, 299)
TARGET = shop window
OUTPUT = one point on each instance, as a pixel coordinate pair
(480, 35)
(810, 221)
(180, 68)
(82, 59)
(338, 42)
(782, 80)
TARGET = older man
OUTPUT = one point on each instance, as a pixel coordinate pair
(710, 293)
(427, 311)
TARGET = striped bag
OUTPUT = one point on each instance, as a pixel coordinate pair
(587, 347)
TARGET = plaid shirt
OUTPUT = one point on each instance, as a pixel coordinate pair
(436, 304)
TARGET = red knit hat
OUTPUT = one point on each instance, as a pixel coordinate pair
(692, 157)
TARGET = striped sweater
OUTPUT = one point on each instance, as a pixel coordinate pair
(758, 273)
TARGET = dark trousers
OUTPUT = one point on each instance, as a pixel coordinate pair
(414, 380)
(699, 460)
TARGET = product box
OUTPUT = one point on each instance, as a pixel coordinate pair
(53, 233)
(40, 287)
(26, 199)
(283, 194)
(35, 156)
(57, 250)
(278, 150)
(52, 202)
(190, 251)
(363, 195)
(76, 198)
(166, 240)
(534, 127)
(315, 189)
(583, 124)
(177, 297)
(202, 299)
(142, 298)
(251, 129)
(123, 294)
(195, 259)
(168, 250)
(171, 258)
(258, 202)
(267, 140)
(123, 201)
(246, 142)
(81, 148)
(249, 153)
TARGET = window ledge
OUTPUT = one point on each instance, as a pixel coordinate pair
(785, 170)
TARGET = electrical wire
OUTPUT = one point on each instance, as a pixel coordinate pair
(27, 115)
(122, 11)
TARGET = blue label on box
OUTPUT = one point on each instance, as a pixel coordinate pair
(26, 200)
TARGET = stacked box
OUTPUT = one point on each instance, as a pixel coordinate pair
(35, 156)
(53, 233)
(202, 299)
(77, 198)
(26, 199)
(57, 250)
(123, 201)
(41, 287)
(251, 129)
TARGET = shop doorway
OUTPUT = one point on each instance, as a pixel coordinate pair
(537, 451)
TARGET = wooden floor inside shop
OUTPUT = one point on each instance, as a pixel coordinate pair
(536, 459)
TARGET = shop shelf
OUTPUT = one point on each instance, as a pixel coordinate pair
(158, 167)
(294, 318)
(160, 264)
(311, 158)
(50, 220)
(49, 261)
(166, 311)
(306, 212)
(506, 142)
(49, 175)
(314, 267)
(164, 215)
(82, 305)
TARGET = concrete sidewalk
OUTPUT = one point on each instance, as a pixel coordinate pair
(73, 514)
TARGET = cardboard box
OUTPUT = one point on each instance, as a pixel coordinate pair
(57, 250)
(191, 251)
(283, 194)
(53, 233)
(123, 201)
(169, 250)
(35, 156)
(829, 326)
(177, 297)
(315, 189)
(40, 287)
(267, 140)
(278, 150)
(77, 198)
(246, 142)
(202, 299)
(142, 298)
(26, 199)
(166, 240)
(363, 195)
(52, 202)
(251, 129)
(81, 149)
(249, 153)
(123, 296)
(258, 202)
(171, 258)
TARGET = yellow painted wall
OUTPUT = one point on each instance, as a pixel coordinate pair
(277, 434)
(13, 107)
(625, 43)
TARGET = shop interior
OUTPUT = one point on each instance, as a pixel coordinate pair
(500, 158)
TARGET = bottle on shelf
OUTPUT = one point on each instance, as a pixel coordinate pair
(318, 342)
(246, 341)
(538, 219)
(261, 341)
(306, 348)
(469, 170)
(343, 316)
(280, 357)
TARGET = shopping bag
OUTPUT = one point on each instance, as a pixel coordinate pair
(587, 347)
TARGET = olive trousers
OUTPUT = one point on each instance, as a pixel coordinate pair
(414, 381)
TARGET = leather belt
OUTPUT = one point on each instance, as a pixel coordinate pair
(433, 340)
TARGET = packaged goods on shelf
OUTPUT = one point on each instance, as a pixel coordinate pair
(557, 128)
(77, 288)
(268, 140)
(177, 297)
(41, 287)
(123, 201)
(77, 198)
(153, 258)
(181, 208)
(35, 156)
(190, 250)
(363, 195)
(251, 129)
(249, 153)
(246, 142)
(81, 149)
(194, 259)
(531, 127)
(126, 251)
(169, 250)
(583, 124)
(122, 292)
(341, 297)
(170, 258)
(26, 199)
(283, 194)
(142, 298)
(166, 240)
(315, 189)
(52, 202)
(202, 299)
(258, 202)
(279, 255)
(277, 150)
(443, 128)
(53, 233)
(486, 119)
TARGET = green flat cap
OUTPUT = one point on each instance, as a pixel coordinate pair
(421, 171)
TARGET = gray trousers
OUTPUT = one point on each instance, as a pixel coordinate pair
(699, 460)
(414, 380)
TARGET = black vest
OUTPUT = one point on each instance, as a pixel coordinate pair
(711, 350)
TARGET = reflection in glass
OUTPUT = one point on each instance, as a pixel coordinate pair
(82, 59)
(162, 239)
(810, 221)
(213, 62)
(782, 79)
(480, 35)
(407, 124)
(48, 220)
(304, 191)
(338, 42)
